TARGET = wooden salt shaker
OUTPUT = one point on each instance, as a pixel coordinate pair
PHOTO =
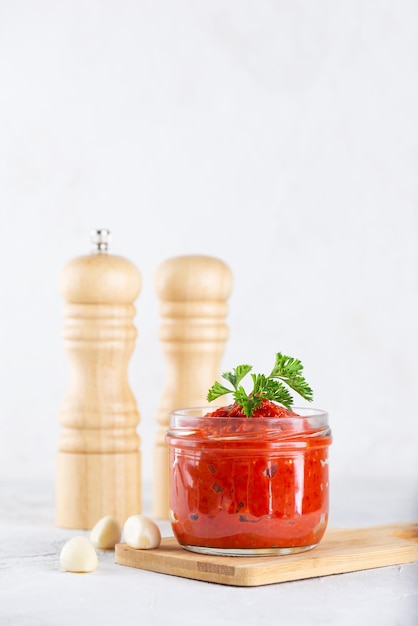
(98, 463)
(193, 291)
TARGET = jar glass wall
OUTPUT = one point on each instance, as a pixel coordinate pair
(248, 486)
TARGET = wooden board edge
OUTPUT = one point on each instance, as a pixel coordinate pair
(251, 578)
(232, 572)
(254, 578)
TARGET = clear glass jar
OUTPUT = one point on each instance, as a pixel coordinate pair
(248, 486)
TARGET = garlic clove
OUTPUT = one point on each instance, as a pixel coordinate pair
(78, 555)
(106, 533)
(141, 532)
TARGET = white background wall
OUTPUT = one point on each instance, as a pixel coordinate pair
(280, 136)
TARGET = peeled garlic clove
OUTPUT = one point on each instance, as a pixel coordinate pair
(106, 533)
(141, 532)
(78, 555)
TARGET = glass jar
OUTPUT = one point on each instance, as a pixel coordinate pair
(248, 486)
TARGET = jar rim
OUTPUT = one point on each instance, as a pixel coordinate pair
(200, 412)
(193, 422)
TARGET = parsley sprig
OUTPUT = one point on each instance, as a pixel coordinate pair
(286, 371)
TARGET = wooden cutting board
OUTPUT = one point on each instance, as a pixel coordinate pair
(340, 551)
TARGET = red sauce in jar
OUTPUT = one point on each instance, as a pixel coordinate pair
(249, 484)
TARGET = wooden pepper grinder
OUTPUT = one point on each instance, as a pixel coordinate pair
(98, 464)
(193, 291)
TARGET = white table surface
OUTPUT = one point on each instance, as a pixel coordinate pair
(35, 591)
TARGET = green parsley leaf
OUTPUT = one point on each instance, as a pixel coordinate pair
(286, 371)
(237, 374)
(289, 371)
(216, 391)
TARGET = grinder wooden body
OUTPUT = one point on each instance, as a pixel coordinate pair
(98, 461)
(193, 292)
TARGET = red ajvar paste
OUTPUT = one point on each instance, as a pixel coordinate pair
(231, 490)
